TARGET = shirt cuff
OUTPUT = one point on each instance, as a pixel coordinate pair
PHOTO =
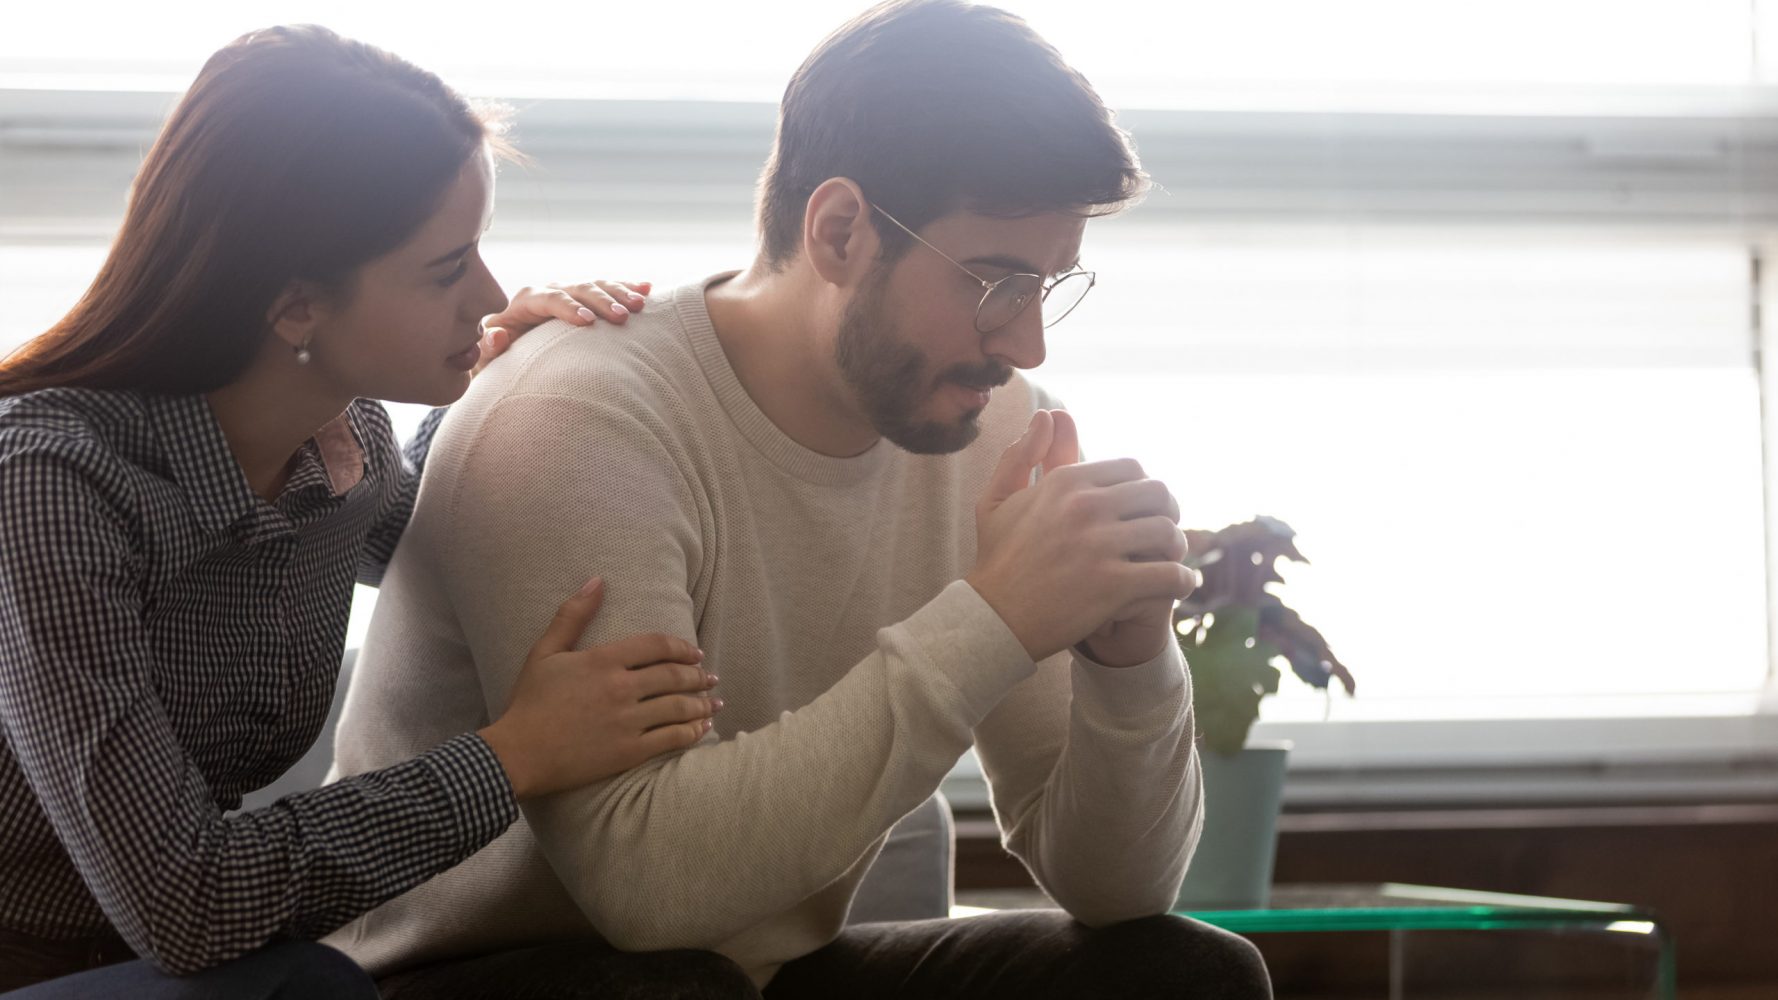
(476, 786)
(1144, 694)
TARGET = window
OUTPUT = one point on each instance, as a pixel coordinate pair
(1469, 295)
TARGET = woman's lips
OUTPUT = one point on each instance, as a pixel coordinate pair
(465, 359)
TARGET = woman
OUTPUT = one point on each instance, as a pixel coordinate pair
(192, 474)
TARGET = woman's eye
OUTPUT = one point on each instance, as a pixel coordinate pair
(457, 275)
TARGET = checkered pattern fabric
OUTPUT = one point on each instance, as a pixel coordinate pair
(169, 641)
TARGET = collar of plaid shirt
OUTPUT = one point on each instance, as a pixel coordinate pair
(329, 465)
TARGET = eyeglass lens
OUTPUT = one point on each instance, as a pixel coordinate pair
(1010, 298)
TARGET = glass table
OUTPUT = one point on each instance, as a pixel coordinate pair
(1401, 910)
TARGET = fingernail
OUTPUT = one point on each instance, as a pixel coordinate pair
(716, 705)
(587, 314)
(707, 725)
(591, 587)
(711, 680)
(619, 306)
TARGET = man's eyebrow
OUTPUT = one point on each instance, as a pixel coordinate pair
(453, 255)
(1005, 262)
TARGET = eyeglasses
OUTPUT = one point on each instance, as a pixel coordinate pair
(1003, 300)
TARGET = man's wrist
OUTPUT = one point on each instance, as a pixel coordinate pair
(991, 597)
(1117, 661)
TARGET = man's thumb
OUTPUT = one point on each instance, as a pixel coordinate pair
(1064, 447)
(1013, 473)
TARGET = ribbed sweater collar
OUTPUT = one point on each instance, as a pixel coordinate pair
(771, 442)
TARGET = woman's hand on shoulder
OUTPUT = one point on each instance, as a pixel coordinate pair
(582, 305)
(581, 715)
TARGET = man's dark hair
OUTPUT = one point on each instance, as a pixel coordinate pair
(932, 106)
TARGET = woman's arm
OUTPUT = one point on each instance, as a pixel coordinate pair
(188, 887)
(184, 885)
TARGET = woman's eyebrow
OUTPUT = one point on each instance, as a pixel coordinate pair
(453, 255)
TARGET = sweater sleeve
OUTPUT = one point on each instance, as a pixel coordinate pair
(186, 886)
(1096, 783)
(691, 849)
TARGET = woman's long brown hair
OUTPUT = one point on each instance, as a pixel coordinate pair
(296, 155)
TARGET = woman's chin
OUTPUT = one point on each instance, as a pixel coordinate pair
(442, 392)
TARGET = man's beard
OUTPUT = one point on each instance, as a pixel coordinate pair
(890, 375)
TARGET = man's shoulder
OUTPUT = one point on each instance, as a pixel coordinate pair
(651, 350)
(593, 399)
(643, 374)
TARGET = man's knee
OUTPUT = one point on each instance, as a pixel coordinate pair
(694, 975)
(596, 971)
(308, 969)
(1169, 952)
(581, 969)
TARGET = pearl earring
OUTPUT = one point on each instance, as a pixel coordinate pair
(302, 354)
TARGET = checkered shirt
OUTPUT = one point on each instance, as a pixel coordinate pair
(170, 641)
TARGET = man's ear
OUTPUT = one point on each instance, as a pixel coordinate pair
(295, 314)
(838, 235)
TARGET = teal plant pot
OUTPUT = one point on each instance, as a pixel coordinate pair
(1232, 868)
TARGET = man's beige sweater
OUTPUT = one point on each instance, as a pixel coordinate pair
(826, 592)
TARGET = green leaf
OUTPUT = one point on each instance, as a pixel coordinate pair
(1231, 671)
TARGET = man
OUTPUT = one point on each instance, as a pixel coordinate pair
(822, 468)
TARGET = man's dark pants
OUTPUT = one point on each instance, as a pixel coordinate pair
(1022, 954)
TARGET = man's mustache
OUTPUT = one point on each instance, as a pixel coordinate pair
(984, 376)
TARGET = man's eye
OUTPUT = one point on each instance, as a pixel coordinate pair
(457, 275)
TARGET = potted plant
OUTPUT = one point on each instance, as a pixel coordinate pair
(1237, 636)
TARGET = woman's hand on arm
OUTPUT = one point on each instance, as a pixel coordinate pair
(579, 716)
(580, 304)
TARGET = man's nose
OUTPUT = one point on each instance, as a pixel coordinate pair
(1020, 342)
